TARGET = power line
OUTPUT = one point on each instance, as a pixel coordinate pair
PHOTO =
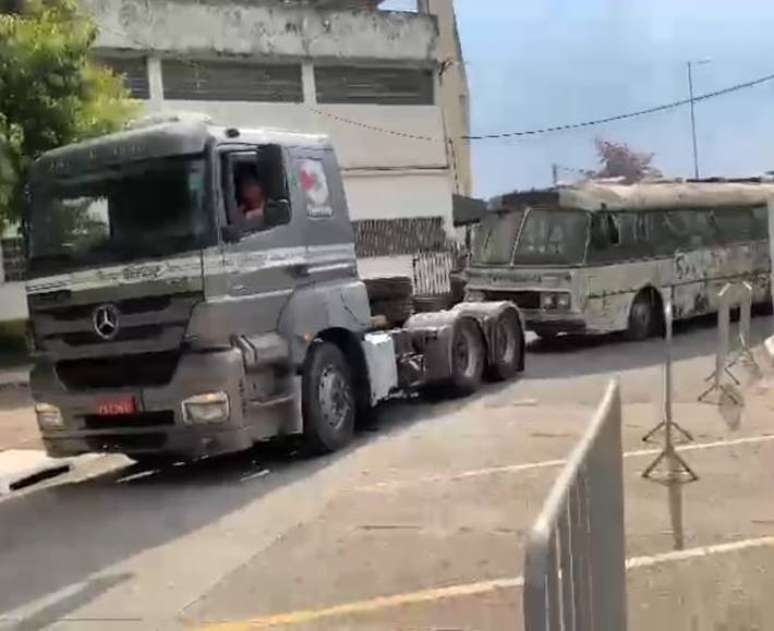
(618, 117)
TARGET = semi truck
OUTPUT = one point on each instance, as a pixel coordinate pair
(167, 322)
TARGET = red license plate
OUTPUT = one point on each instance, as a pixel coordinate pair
(117, 407)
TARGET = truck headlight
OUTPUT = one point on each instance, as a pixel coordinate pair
(49, 416)
(212, 407)
(548, 301)
(563, 302)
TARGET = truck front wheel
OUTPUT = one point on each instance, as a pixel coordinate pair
(328, 399)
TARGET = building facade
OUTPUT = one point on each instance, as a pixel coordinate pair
(388, 87)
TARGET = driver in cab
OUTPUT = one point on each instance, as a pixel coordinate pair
(252, 200)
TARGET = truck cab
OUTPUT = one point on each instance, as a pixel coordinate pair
(193, 289)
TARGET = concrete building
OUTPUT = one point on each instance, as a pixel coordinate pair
(389, 87)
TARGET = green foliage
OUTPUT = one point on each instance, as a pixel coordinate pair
(50, 92)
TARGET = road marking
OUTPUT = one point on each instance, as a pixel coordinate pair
(367, 606)
(372, 605)
(699, 552)
(547, 464)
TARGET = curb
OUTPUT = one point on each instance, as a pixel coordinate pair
(20, 468)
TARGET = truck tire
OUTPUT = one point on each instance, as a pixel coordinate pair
(328, 399)
(507, 346)
(468, 357)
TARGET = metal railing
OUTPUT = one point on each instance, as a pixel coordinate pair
(574, 571)
(730, 352)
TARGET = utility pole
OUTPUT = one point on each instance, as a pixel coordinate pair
(690, 65)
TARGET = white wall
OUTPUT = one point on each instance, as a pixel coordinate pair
(390, 195)
(13, 302)
(356, 147)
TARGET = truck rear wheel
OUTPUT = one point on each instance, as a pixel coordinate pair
(328, 399)
(468, 357)
(507, 346)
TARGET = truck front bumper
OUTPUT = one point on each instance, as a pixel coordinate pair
(158, 425)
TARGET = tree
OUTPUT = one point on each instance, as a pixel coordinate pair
(51, 93)
(619, 160)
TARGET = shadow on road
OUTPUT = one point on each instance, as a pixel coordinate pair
(577, 355)
(54, 537)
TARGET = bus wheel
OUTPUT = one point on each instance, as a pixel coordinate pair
(468, 357)
(643, 316)
(328, 399)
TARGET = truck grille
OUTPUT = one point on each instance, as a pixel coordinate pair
(142, 370)
(128, 307)
(126, 334)
(523, 299)
(155, 323)
(129, 421)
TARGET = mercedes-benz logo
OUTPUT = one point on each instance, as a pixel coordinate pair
(105, 320)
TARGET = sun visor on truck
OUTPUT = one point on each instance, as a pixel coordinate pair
(159, 141)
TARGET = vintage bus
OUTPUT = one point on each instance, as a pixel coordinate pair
(599, 257)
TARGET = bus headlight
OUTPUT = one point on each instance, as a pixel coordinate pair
(555, 301)
(548, 301)
(206, 408)
(49, 416)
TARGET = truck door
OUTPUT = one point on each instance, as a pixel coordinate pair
(329, 233)
(264, 253)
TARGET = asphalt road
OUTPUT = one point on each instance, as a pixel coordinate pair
(419, 524)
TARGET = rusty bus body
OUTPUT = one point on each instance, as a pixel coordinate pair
(599, 257)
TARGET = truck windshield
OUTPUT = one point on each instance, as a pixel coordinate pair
(144, 210)
(495, 238)
(553, 237)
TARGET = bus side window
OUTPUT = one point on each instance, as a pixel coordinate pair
(613, 232)
(605, 236)
(760, 222)
(735, 224)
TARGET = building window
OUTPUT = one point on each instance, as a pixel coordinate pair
(12, 261)
(231, 81)
(133, 70)
(385, 86)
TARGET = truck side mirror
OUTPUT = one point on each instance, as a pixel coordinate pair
(278, 212)
(230, 234)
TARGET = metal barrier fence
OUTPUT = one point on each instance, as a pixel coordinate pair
(728, 353)
(574, 571)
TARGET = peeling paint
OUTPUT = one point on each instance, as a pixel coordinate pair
(256, 29)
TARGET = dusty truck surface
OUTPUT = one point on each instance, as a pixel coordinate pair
(170, 320)
(600, 257)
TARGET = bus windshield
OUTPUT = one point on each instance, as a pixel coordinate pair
(553, 237)
(496, 237)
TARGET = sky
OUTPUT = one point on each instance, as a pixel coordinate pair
(539, 63)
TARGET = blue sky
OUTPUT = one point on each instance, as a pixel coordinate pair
(535, 63)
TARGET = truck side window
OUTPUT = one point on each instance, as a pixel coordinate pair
(314, 183)
(256, 189)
